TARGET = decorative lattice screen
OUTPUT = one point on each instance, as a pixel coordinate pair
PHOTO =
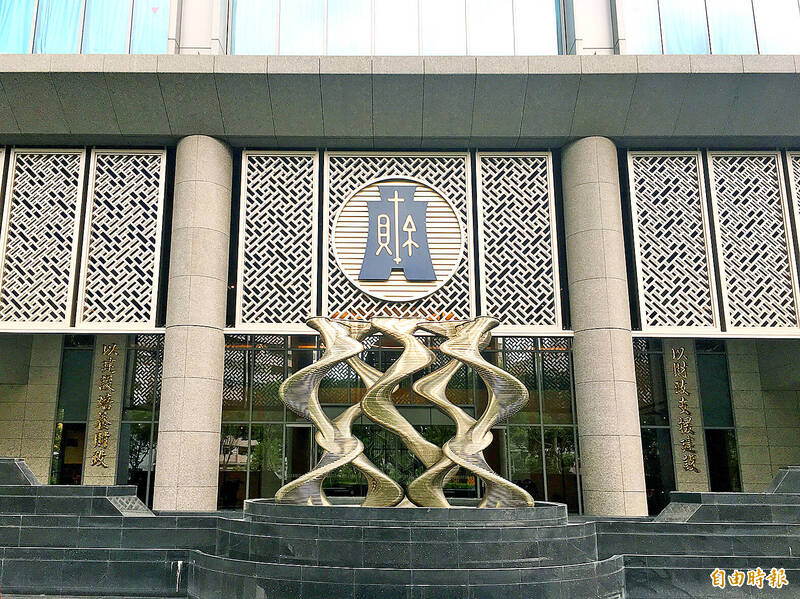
(757, 264)
(674, 262)
(449, 175)
(146, 357)
(38, 251)
(519, 257)
(277, 240)
(122, 239)
(794, 179)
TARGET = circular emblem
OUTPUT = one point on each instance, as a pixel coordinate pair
(397, 239)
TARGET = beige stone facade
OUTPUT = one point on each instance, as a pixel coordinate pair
(28, 399)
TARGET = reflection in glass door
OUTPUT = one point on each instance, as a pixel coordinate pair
(387, 451)
(233, 450)
(266, 460)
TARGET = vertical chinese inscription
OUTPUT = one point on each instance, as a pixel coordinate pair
(104, 403)
(685, 424)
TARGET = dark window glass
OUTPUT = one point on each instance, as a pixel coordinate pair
(715, 394)
(70, 439)
(269, 371)
(723, 460)
(143, 375)
(135, 465)
(659, 476)
(79, 341)
(522, 364)
(561, 466)
(266, 459)
(716, 346)
(556, 388)
(298, 452)
(335, 387)
(233, 453)
(651, 389)
(74, 390)
(235, 387)
(525, 459)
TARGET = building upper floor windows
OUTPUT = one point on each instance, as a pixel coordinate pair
(396, 27)
(710, 26)
(86, 26)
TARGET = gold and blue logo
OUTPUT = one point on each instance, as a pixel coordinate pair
(397, 239)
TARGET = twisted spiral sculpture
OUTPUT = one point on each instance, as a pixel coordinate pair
(300, 394)
(465, 450)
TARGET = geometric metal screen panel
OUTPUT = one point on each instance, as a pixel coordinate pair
(794, 184)
(449, 175)
(517, 237)
(122, 240)
(146, 359)
(757, 268)
(672, 243)
(39, 242)
(276, 288)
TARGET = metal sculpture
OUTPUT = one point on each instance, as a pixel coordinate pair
(300, 394)
(464, 340)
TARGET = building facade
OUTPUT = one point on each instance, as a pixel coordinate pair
(186, 182)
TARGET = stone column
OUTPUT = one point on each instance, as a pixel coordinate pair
(194, 345)
(612, 467)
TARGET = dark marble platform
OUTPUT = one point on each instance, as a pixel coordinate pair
(99, 541)
(786, 481)
(778, 504)
(14, 471)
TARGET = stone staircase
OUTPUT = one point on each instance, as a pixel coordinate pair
(101, 541)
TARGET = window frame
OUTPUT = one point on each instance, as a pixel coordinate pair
(82, 27)
(710, 30)
(560, 26)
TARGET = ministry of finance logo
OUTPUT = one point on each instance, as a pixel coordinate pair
(397, 239)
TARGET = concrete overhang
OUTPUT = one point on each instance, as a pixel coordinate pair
(401, 102)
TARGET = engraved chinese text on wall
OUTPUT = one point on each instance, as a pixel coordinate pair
(105, 401)
(685, 424)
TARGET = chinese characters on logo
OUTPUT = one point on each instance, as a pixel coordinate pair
(776, 578)
(685, 426)
(104, 403)
(398, 238)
